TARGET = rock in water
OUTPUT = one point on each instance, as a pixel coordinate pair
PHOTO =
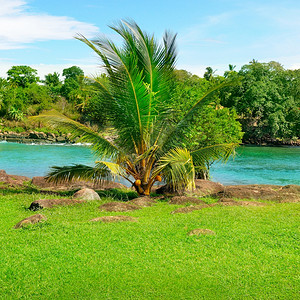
(86, 194)
(30, 220)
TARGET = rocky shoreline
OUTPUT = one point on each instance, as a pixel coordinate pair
(38, 137)
(272, 142)
(203, 188)
(35, 137)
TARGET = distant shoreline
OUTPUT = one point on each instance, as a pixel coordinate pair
(37, 137)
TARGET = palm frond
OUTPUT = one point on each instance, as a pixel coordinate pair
(115, 169)
(203, 156)
(78, 172)
(177, 169)
(139, 74)
(102, 147)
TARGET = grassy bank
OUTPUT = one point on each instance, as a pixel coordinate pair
(253, 255)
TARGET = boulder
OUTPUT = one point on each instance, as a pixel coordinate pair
(143, 201)
(201, 231)
(61, 139)
(36, 135)
(30, 220)
(51, 137)
(111, 219)
(48, 203)
(185, 200)
(118, 206)
(207, 187)
(86, 194)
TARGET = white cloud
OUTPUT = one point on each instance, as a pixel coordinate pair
(19, 27)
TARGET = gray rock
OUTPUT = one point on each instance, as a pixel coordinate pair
(86, 194)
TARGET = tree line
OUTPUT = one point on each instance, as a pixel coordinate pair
(263, 105)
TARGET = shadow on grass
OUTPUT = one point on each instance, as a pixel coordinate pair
(118, 194)
(7, 190)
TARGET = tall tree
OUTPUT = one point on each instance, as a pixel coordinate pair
(73, 77)
(22, 76)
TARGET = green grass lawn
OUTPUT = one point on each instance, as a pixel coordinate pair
(254, 254)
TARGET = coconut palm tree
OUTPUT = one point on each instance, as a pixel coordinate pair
(148, 146)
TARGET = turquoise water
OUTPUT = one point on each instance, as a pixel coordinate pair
(261, 165)
(35, 160)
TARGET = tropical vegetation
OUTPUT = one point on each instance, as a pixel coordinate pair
(267, 101)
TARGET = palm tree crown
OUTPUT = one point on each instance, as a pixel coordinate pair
(148, 146)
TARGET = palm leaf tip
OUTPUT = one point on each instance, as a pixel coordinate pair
(203, 156)
(100, 145)
(177, 168)
(77, 172)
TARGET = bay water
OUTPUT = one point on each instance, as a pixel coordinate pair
(251, 165)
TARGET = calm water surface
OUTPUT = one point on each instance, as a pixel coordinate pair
(261, 165)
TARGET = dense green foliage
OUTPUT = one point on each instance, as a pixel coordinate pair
(214, 124)
(267, 101)
(254, 253)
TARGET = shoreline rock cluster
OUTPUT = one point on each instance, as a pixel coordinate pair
(204, 188)
(34, 137)
(272, 142)
(49, 137)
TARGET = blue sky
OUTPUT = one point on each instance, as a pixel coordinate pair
(212, 33)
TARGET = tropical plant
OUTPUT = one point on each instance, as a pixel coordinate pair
(22, 76)
(148, 143)
(15, 114)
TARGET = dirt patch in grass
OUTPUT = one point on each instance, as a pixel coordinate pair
(30, 220)
(48, 203)
(188, 209)
(232, 202)
(201, 231)
(185, 200)
(118, 206)
(143, 201)
(111, 219)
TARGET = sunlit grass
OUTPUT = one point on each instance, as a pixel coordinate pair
(254, 254)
